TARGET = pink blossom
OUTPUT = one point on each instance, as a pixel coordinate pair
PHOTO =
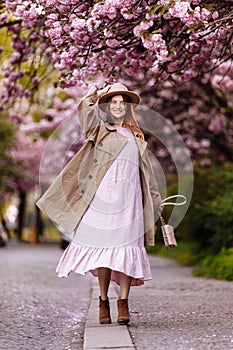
(205, 14)
(173, 66)
(225, 67)
(167, 16)
(126, 13)
(27, 93)
(147, 62)
(157, 44)
(187, 75)
(78, 23)
(180, 9)
(51, 2)
(198, 59)
(112, 12)
(15, 76)
(142, 27)
(205, 143)
(35, 81)
(11, 5)
(193, 46)
(92, 24)
(3, 18)
(106, 9)
(155, 67)
(112, 43)
(132, 55)
(7, 72)
(164, 2)
(26, 51)
(215, 15)
(48, 52)
(131, 71)
(197, 14)
(79, 36)
(16, 119)
(34, 37)
(205, 162)
(55, 35)
(20, 10)
(217, 124)
(223, 82)
(15, 57)
(51, 18)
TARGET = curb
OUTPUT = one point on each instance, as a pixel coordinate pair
(110, 336)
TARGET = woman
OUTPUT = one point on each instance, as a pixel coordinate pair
(108, 197)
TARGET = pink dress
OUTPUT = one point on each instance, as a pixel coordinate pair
(111, 232)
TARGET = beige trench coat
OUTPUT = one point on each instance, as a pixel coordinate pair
(68, 197)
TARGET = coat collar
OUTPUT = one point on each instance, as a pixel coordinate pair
(141, 143)
(110, 127)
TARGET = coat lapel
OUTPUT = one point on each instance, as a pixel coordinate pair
(140, 143)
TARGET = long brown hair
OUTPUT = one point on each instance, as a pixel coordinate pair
(129, 119)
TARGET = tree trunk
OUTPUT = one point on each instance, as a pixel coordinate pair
(38, 224)
(21, 213)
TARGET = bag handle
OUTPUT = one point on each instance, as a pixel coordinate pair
(164, 201)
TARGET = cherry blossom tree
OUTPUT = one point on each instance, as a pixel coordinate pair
(7, 133)
(166, 39)
(41, 149)
(177, 54)
(201, 110)
(25, 154)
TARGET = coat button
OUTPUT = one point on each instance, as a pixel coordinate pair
(95, 160)
(82, 191)
(100, 144)
(90, 176)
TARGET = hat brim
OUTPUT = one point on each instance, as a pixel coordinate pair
(103, 100)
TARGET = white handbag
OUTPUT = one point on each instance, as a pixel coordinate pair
(168, 230)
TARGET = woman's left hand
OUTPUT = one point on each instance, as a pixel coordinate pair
(160, 209)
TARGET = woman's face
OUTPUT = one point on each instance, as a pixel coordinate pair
(117, 108)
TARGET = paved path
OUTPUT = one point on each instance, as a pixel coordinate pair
(174, 311)
(38, 310)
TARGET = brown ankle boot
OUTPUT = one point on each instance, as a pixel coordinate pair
(104, 311)
(123, 311)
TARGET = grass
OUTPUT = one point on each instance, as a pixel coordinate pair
(183, 253)
(219, 266)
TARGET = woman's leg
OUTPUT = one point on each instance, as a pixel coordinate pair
(104, 274)
(104, 308)
(122, 303)
(125, 283)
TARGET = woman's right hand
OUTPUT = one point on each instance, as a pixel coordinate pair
(103, 91)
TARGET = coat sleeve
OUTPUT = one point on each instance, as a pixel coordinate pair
(88, 113)
(153, 187)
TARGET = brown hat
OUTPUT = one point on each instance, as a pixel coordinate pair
(118, 89)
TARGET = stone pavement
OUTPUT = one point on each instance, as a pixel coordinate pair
(174, 311)
(38, 310)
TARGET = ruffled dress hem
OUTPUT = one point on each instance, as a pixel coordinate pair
(130, 260)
